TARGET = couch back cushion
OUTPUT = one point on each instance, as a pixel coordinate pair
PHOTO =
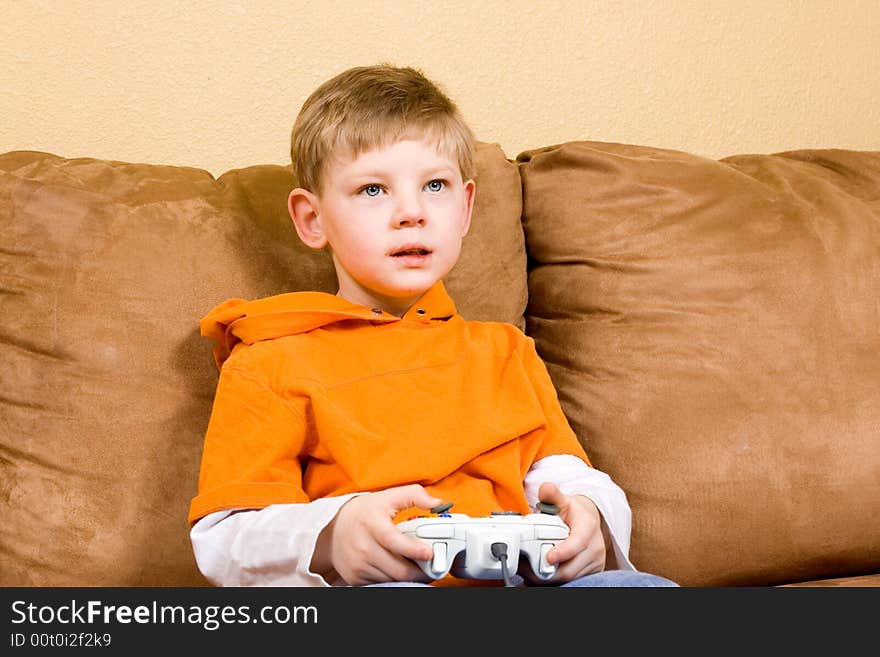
(106, 385)
(712, 330)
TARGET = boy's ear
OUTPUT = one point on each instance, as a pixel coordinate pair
(470, 193)
(304, 209)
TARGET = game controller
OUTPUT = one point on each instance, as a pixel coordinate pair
(491, 545)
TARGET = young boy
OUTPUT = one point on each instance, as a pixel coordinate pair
(337, 416)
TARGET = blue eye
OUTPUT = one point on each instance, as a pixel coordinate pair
(372, 190)
(436, 185)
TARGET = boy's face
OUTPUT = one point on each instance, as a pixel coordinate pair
(394, 218)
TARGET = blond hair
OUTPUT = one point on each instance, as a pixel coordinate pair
(370, 107)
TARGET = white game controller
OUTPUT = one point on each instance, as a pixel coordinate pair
(492, 545)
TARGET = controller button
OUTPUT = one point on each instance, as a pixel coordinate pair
(439, 564)
(435, 531)
(545, 568)
(506, 513)
(551, 532)
(442, 508)
(546, 507)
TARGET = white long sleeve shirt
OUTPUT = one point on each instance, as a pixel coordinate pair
(274, 546)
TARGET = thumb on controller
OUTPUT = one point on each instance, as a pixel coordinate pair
(550, 493)
(413, 495)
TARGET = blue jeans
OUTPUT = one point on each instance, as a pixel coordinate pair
(620, 578)
(615, 578)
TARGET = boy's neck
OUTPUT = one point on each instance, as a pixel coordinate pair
(391, 305)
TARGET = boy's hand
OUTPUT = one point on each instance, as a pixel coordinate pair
(364, 546)
(583, 552)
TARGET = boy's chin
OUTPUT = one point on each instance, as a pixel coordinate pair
(414, 284)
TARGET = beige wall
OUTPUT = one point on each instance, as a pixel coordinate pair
(217, 84)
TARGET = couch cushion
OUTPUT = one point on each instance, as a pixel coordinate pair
(106, 386)
(712, 329)
(845, 582)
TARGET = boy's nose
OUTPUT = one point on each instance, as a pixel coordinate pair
(409, 220)
(409, 213)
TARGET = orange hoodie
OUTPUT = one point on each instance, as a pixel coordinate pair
(321, 397)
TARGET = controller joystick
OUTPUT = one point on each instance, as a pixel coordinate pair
(442, 508)
(488, 547)
(546, 507)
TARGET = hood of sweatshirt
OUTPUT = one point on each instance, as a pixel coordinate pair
(238, 321)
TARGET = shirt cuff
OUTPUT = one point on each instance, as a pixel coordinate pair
(574, 477)
(272, 546)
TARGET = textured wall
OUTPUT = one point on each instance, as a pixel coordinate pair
(218, 84)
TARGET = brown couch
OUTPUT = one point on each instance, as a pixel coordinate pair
(711, 327)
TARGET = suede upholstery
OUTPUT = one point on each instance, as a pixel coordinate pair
(711, 328)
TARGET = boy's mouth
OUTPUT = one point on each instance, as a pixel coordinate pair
(410, 250)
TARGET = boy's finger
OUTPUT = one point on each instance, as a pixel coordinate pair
(405, 497)
(549, 492)
(395, 568)
(564, 551)
(396, 542)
